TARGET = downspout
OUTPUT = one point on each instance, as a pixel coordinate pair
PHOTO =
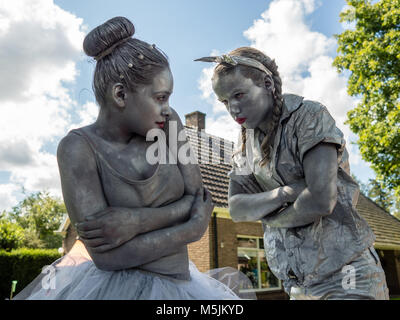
(215, 230)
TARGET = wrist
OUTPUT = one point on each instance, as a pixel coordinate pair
(182, 210)
(284, 195)
(189, 232)
(132, 219)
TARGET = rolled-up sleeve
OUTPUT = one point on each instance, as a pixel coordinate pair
(315, 125)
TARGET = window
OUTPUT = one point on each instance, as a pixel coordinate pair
(252, 262)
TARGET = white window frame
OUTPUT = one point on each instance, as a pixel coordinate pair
(257, 250)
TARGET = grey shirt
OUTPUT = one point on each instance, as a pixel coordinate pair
(305, 255)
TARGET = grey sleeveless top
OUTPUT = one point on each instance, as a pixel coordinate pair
(165, 186)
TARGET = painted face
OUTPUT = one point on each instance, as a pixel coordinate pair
(148, 107)
(249, 104)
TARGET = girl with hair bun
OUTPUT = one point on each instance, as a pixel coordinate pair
(292, 173)
(134, 218)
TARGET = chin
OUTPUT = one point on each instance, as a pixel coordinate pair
(248, 126)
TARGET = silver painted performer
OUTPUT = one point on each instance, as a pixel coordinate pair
(292, 173)
(134, 218)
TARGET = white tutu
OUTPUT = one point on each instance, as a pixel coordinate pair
(74, 277)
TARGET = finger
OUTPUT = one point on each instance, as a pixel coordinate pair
(97, 233)
(89, 225)
(102, 248)
(93, 243)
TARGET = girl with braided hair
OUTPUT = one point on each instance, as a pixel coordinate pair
(292, 173)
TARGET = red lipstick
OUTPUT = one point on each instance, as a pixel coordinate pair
(241, 120)
(161, 124)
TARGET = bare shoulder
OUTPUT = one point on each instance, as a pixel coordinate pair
(80, 181)
(73, 149)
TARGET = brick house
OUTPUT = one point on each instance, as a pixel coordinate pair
(240, 245)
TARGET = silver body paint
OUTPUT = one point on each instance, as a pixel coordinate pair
(307, 256)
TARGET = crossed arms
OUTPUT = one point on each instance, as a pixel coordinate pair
(120, 238)
(309, 199)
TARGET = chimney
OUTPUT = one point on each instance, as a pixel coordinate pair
(196, 120)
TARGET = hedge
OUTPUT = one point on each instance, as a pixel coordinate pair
(22, 265)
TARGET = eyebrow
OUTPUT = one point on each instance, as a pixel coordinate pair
(163, 91)
(238, 89)
(234, 91)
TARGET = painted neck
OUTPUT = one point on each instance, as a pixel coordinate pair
(109, 126)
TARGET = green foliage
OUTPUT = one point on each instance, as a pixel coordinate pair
(39, 214)
(385, 198)
(11, 235)
(371, 52)
(22, 265)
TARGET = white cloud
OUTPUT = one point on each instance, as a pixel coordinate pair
(304, 58)
(87, 114)
(40, 44)
(7, 196)
(223, 127)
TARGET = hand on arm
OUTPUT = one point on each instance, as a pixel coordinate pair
(319, 198)
(153, 245)
(84, 197)
(114, 226)
(255, 206)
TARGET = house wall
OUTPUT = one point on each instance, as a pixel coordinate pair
(228, 232)
(200, 252)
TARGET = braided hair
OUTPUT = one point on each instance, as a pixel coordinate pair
(258, 78)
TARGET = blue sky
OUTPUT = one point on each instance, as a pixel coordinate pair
(46, 86)
(186, 30)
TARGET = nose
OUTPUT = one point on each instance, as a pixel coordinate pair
(166, 110)
(234, 108)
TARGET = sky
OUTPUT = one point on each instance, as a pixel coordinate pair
(46, 83)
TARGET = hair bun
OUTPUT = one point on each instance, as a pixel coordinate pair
(107, 34)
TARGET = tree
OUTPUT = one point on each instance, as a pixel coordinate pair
(384, 198)
(371, 52)
(39, 214)
(11, 235)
